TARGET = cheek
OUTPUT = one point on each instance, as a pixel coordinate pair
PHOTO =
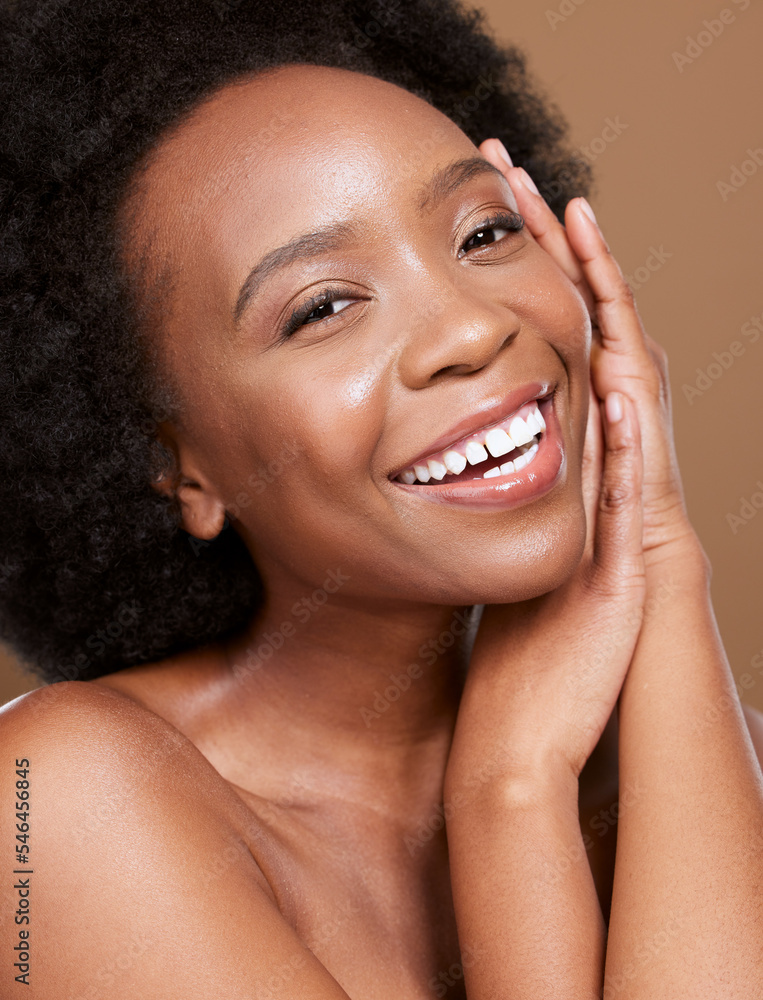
(336, 410)
(290, 444)
(553, 306)
(300, 447)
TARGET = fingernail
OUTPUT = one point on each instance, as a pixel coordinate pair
(528, 181)
(613, 404)
(504, 153)
(588, 210)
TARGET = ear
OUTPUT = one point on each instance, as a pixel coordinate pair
(202, 509)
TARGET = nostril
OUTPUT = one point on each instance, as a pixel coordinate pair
(456, 370)
(480, 362)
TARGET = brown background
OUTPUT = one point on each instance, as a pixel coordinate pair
(687, 129)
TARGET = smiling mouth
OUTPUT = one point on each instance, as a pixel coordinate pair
(499, 449)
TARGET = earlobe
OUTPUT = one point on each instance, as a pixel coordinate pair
(203, 512)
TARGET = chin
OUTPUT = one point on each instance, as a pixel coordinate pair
(543, 561)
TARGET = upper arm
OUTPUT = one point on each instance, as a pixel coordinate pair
(127, 896)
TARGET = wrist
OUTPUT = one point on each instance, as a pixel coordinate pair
(519, 783)
(682, 553)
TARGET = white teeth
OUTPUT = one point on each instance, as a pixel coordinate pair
(436, 469)
(454, 462)
(475, 453)
(532, 421)
(498, 442)
(520, 433)
(519, 463)
(525, 458)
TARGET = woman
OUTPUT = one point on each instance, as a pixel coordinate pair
(289, 315)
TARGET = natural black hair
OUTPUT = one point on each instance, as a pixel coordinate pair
(96, 573)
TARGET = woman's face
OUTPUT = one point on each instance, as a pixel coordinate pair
(300, 413)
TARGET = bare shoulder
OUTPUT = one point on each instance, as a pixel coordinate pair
(85, 734)
(70, 707)
(113, 827)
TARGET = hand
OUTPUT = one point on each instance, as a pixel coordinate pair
(545, 674)
(623, 356)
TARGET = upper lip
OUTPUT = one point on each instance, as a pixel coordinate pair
(491, 414)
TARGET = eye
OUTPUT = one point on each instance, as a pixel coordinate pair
(493, 230)
(327, 309)
(487, 235)
(319, 307)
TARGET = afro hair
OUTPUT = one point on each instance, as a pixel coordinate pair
(96, 573)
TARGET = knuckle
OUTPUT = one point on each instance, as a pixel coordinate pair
(651, 381)
(627, 294)
(623, 583)
(623, 291)
(614, 497)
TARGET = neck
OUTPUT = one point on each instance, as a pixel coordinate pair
(359, 699)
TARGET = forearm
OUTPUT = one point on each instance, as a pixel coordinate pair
(523, 893)
(687, 909)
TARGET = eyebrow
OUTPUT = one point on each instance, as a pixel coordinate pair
(313, 244)
(448, 179)
(440, 185)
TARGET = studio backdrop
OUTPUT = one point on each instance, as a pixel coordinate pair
(663, 101)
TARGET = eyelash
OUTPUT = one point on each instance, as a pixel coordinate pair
(501, 220)
(512, 221)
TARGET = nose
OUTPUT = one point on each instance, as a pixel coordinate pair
(453, 332)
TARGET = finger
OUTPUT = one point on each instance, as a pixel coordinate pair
(628, 360)
(618, 544)
(540, 220)
(593, 454)
(617, 315)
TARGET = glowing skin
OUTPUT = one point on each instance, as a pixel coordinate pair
(436, 330)
(439, 329)
(427, 337)
(286, 790)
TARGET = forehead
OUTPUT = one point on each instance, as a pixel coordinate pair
(298, 136)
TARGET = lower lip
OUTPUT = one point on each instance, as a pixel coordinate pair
(500, 492)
